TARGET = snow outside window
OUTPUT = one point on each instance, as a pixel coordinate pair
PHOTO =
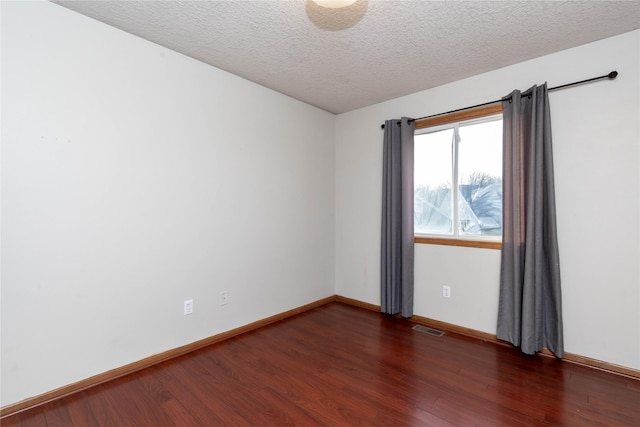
(466, 156)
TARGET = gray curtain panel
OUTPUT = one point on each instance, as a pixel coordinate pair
(397, 218)
(530, 306)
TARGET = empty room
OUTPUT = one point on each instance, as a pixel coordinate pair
(236, 212)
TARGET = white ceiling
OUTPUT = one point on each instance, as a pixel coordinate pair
(370, 52)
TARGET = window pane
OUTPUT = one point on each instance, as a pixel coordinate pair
(432, 182)
(480, 179)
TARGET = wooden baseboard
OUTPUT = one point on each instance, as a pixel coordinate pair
(484, 336)
(597, 364)
(460, 330)
(152, 360)
(179, 351)
(357, 303)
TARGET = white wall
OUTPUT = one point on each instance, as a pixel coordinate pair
(597, 162)
(134, 178)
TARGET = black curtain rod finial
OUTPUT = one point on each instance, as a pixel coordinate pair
(398, 124)
(613, 74)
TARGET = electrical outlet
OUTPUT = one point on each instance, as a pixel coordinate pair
(446, 291)
(188, 306)
(224, 298)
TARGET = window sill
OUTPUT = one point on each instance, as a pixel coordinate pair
(485, 244)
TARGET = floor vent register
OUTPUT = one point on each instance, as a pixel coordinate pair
(429, 331)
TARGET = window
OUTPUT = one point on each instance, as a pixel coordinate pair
(461, 151)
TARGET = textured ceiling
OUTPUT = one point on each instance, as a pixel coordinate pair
(373, 51)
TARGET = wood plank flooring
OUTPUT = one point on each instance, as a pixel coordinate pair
(339, 365)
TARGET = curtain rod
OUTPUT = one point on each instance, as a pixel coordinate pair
(611, 75)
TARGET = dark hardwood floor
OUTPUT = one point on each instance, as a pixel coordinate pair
(339, 365)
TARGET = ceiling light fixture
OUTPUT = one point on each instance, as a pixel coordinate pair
(334, 4)
(335, 15)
